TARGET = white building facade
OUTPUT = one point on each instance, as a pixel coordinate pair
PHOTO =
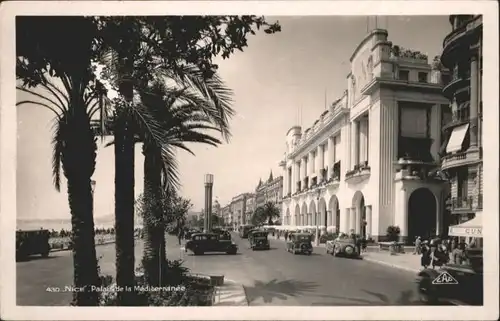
(365, 164)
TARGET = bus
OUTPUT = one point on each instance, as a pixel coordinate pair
(244, 229)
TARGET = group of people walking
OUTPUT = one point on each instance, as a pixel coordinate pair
(439, 251)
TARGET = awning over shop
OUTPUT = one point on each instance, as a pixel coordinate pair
(457, 138)
(471, 228)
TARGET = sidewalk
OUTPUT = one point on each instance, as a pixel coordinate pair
(405, 261)
(230, 294)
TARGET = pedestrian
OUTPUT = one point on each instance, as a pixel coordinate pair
(418, 246)
(364, 244)
(425, 260)
(180, 235)
(286, 235)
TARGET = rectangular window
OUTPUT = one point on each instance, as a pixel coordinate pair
(404, 75)
(413, 122)
(422, 77)
(462, 181)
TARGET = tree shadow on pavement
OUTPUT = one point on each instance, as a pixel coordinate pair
(277, 290)
(407, 297)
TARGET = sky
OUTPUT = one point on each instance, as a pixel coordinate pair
(272, 79)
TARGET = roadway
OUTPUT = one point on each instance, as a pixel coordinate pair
(273, 277)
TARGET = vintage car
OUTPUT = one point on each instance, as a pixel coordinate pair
(201, 243)
(258, 240)
(31, 243)
(343, 246)
(300, 243)
(458, 284)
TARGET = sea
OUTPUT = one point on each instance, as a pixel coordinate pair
(102, 222)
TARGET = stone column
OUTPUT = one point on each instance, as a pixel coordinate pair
(474, 101)
(344, 221)
(297, 175)
(310, 167)
(329, 218)
(303, 171)
(362, 141)
(369, 220)
(403, 226)
(319, 162)
(285, 181)
(352, 222)
(331, 155)
(354, 144)
(357, 221)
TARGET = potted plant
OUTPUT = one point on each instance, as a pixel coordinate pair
(393, 236)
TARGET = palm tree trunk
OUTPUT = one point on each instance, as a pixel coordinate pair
(124, 207)
(154, 250)
(78, 159)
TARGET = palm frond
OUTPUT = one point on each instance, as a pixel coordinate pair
(170, 177)
(59, 110)
(56, 112)
(57, 145)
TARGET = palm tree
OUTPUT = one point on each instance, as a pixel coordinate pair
(185, 114)
(61, 49)
(268, 211)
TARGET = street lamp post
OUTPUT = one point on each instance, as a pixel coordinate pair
(209, 183)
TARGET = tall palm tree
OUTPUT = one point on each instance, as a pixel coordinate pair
(268, 211)
(54, 57)
(186, 115)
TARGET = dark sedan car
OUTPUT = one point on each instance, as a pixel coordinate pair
(300, 243)
(344, 246)
(202, 243)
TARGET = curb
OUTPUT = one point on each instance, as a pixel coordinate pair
(236, 298)
(395, 266)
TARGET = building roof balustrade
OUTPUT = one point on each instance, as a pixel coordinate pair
(463, 158)
(314, 132)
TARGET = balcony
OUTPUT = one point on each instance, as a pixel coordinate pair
(408, 168)
(358, 174)
(467, 204)
(468, 157)
(459, 117)
(455, 84)
(456, 38)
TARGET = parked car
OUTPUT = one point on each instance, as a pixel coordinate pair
(300, 243)
(258, 240)
(32, 242)
(462, 283)
(342, 246)
(201, 243)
